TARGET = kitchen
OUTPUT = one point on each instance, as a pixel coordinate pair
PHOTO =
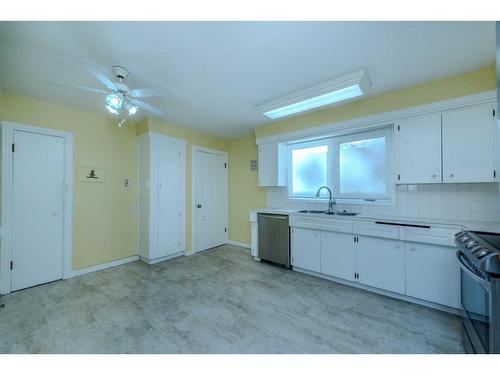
(404, 224)
(250, 188)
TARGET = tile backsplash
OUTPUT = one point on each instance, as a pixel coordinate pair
(469, 202)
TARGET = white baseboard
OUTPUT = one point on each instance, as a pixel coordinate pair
(418, 301)
(238, 243)
(102, 266)
(158, 260)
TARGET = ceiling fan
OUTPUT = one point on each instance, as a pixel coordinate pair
(120, 99)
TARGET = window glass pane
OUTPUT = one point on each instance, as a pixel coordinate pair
(362, 168)
(309, 170)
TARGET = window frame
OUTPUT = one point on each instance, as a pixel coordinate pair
(307, 144)
(333, 166)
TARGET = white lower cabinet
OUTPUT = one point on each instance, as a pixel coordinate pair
(306, 249)
(433, 273)
(338, 255)
(426, 271)
(381, 263)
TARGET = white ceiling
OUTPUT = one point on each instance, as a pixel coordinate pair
(217, 72)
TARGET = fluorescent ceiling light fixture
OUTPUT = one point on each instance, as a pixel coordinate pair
(326, 93)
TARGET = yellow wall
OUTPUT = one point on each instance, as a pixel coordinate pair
(104, 227)
(244, 193)
(193, 138)
(451, 87)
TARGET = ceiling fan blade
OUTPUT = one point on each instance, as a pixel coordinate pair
(99, 91)
(147, 93)
(101, 77)
(150, 108)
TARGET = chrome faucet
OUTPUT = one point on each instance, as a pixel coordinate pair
(331, 200)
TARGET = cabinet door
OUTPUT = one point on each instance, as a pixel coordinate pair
(433, 274)
(418, 149)
(469, 141)
(306, 249)
(170, 188)
(337, 255)
(271, 164)
(381, 263)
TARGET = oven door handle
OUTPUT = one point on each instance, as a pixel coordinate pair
(472, 274)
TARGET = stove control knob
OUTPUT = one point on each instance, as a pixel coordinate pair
(470, 244)
(464, 239)
(481, 253)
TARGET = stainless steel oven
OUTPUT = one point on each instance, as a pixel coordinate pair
(480, 285)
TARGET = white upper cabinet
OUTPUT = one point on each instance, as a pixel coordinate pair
(418, 149)
(469, 143)
(306, 249)
(271, 164)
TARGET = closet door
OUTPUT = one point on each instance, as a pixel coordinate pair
(170, 207)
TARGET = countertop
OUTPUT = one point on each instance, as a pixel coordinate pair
(467, 224)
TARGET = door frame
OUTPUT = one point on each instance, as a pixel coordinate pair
(7, 133)
(194, 150)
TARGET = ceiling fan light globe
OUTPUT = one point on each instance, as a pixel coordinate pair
(132, 110)
(114, 100)
(111, 109)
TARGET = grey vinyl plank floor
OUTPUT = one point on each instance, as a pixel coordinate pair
(218, 301)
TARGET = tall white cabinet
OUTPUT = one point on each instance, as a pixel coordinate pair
(162, 166)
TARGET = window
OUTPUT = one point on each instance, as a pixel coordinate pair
(309, 170)
(355, 167)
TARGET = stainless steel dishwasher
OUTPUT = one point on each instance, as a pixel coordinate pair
(274, 239)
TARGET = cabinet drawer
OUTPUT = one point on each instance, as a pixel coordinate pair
(322, 223)
(436, 236)
(378, 230)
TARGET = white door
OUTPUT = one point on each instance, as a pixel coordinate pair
(381, 263)
(337, 255)
(433, 273)
(418, 149)
(37, 209)
(210, 199)
(469, 136)
(306, 249)
(170, 188)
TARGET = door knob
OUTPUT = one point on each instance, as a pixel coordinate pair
(198, 205)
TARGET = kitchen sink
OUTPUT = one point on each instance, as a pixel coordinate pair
(346, 213)
(340, 213)
(312, 212)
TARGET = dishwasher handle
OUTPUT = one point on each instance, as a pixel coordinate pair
(280, 217)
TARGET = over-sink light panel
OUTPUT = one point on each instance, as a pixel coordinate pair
(339, 89)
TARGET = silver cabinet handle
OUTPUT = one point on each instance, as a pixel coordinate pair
(452, 175)
(198, 205)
